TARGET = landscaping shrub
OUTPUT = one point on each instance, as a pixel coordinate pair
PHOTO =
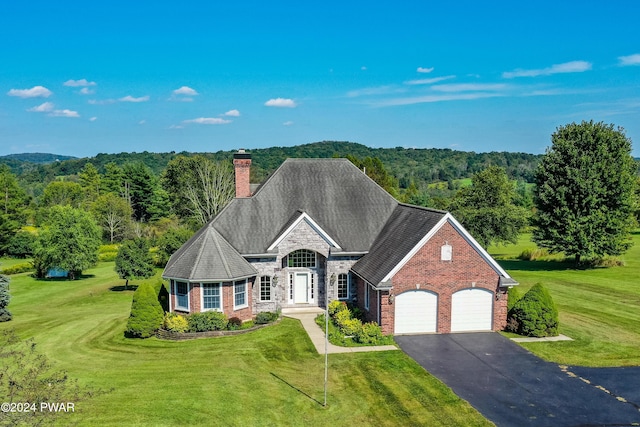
(341, 317)
(512, 298)
(234, 323)
(369, 333)
(175, 322)
(265, 317)
(107, 256)
(336, 306)
(5, 297)
(532, 254)
(207, 321)
(146, 313)
(535, 314)
(351, 327)
(18, 268)
(606, 262)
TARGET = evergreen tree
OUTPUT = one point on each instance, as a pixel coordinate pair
(146, 313)
(90, 182)
(140, 186)
(584, 194)
(134, 261)
(5, 297)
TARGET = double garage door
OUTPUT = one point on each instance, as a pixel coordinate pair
(416, 312)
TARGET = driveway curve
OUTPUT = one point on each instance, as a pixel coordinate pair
(512, 387)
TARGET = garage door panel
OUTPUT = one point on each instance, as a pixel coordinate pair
(416, 312)
(472, 310)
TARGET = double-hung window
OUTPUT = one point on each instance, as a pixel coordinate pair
(211, 296)
(240, 294)
(182, 295)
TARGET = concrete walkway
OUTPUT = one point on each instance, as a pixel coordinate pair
(317, 336)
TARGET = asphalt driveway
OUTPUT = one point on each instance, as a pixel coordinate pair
(512, 387)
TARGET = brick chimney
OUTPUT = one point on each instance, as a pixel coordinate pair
(242, 167)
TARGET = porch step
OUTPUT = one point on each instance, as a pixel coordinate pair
(299, 310)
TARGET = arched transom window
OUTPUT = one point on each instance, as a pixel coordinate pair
(302, 258)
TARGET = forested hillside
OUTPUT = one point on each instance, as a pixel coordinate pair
(423, 166)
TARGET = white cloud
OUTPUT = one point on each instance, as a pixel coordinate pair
(79, 83)
(567, 67)
(629, 60)
(130, 98)
(424, 70)
(281, 102)
(232, 113)
(428, 81)
(208, 121)
(101, 101)
(185, 90)
(176, 127)
(93, 119)
(437, 98)
(34, 92)
(87, 91)
(379, 90)
(469, 87)
(63, 113)
(288, 123)
(42, 108)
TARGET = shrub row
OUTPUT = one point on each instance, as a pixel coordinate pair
(211, 321)
(18, 268)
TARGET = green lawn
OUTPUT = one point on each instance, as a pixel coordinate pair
(272, 376)
(599, 308)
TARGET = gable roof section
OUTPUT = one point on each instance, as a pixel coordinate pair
(406, 226)
(293, 223)
(408, 230)
(207, 256)
(351, 208)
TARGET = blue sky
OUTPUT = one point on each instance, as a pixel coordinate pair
(82, 78)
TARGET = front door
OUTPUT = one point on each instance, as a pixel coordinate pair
(301, 288)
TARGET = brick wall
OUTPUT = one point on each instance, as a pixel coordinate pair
(466, 269)
(242, 172)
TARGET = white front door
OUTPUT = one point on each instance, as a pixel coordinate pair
(301, 288)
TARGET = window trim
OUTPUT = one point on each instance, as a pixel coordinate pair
(348, 280)
(307, 253)
(246, 294)
(176, 285)
(202, 296)
(267, 284)
(366, 296)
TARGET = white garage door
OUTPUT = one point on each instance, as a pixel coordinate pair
(471, 310)
(416, 312)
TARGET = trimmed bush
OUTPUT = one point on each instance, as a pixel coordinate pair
(351, 327)
(234, 323)
(535, 314)
(146, 313)
(175, 322)
(265, 317)
(512, 298)
(336, 306)
(5, 297)
(207, 321)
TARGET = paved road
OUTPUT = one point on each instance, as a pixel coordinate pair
(512, 387)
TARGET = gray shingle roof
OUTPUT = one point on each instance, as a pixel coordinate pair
(207, 256)
(402, 232)
(350, 207)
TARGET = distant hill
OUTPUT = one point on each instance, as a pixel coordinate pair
(38, 158)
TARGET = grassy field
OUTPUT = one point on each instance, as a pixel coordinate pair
(599, 307)
(272, 376)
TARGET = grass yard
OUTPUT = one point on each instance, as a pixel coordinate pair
(272, 376)
(599, 308)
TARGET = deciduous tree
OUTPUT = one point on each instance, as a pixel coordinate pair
(134, 261)
(487, 210)
(113, 214)
(70, 240)
(584, 193)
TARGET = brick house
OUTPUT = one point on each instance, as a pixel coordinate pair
(320, 229)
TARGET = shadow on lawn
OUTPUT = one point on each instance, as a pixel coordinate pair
(296, 388)
(122, 288)
(513, 265)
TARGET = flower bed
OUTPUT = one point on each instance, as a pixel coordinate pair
(183, 336)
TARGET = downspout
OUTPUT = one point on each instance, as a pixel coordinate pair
(379, 309)
(170, 293)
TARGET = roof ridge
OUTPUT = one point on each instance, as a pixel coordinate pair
(223, 258)
(424, 208)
